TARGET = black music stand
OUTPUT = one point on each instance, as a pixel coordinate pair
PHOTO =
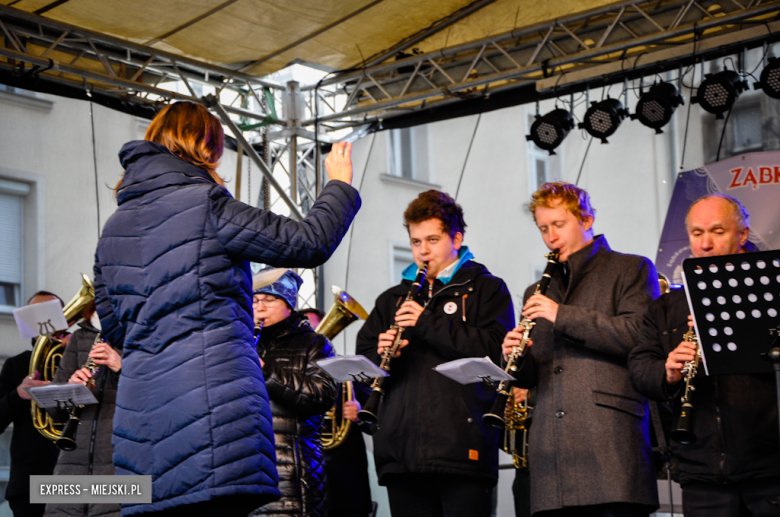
(735, 303)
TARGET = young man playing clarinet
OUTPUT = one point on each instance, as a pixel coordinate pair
(432, 449)
(589, 451)
(733, 467)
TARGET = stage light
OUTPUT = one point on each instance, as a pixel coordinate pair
(548, 132)
(603, 118)
(770, 79)
(656, 107)
(718, 92)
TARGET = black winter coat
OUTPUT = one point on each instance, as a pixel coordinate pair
(31, 453)
(94, 453)
(300, 393)
(346, 466)
(429, 423)
(734, 416)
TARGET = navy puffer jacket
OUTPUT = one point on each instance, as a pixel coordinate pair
(173, 289)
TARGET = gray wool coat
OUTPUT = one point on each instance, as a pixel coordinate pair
(589, 443)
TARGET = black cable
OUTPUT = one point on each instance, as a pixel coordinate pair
(468, 152)
(352, 229)
(94, 163)
(582, 165)
(690, 103)
(723, 133)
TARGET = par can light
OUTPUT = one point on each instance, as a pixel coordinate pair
(603, 118)
(718, 92)
(656, 107)
(770, 79)
(548, 132)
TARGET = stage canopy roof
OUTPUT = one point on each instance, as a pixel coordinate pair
(260, 37)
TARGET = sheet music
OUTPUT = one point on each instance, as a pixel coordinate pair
(473, 369)
(58, 395)
(40, 319)
(351, 368)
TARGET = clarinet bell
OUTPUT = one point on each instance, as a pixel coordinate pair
(67, 441)
(495, 417)
(683, 434)
(369, 412)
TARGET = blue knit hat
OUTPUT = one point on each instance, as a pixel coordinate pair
(280, 282)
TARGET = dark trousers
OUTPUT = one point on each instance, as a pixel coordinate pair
(439, 495)
(748, 498)
(21, 507)
(601, 510)
(521, 490)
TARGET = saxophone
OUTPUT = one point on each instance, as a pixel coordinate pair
(496, 415)
(517, 422)
(369, 413)
(683, 433)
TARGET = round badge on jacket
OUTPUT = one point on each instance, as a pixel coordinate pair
(450, 307)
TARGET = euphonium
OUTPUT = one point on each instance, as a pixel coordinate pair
(46, 356)
(496, 415)
(516, 417)
(344, 311)
(67, 440)
(369, 412)
(683, 434)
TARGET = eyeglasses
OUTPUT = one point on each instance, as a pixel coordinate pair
(268, 302)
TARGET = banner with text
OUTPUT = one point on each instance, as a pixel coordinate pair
(752, 178)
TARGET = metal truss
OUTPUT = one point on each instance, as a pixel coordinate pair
(525, 56)
(65, 55)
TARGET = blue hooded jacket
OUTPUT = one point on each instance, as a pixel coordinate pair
(173, 289)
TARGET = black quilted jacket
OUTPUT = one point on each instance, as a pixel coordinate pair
(300, 394)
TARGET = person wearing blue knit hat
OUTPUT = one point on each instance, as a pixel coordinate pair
(300, 392)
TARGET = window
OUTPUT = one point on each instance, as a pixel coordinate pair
(542, 167)
(401, 258)
(11, 242)
(408, 153)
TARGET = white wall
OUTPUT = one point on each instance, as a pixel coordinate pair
(46, 142)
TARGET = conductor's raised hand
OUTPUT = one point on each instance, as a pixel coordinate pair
(386, 341)
(512, 339)
(339, 162)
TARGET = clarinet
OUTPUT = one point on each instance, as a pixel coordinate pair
(67, 439)
(683, 434)
(369, 412)
(496, 415)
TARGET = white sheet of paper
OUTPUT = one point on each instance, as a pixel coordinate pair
(47, 396)
(40, 318)
(351, 368)
(473, 369)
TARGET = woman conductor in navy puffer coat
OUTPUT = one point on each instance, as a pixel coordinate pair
(173, 289)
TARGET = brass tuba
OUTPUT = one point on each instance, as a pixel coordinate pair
(46, 356)
(344, 311)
